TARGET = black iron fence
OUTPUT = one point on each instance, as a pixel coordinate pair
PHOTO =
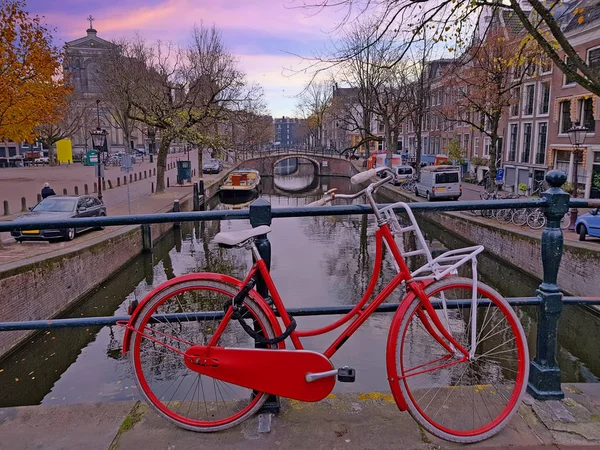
(544, 379)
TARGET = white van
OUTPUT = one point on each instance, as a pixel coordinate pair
(402, 174)
(439, 182)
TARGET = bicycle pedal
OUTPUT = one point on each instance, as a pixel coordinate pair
(346, 374)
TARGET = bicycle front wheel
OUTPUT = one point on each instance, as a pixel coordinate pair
(188, 399)
(462, 401)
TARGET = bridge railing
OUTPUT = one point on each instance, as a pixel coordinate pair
(545, 376)
(291, 150)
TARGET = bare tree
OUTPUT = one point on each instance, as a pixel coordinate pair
(117, 78)
(184, 92)
(483, 83)
(453, 21)
(312, 106)
(74, 114)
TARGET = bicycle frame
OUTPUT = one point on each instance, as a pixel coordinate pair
(359, 312)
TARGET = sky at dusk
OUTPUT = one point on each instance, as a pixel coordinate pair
(265, 35)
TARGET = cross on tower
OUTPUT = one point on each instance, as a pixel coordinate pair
(91, 19)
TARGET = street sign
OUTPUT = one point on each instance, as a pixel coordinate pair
(99, 170)
(500, 175)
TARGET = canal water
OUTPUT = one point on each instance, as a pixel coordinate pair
(317, 261)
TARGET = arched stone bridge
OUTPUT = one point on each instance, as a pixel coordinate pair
(326, 164)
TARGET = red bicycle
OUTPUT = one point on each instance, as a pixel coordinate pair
(207, 349)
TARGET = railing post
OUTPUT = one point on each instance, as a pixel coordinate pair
(176, 209)
(260, 214)
(196, 197)
(202, 193)
(146, 237)
(544, 375)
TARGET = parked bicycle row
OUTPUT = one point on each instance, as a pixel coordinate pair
(534, 218)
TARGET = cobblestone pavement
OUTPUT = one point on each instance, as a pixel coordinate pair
(345, 421)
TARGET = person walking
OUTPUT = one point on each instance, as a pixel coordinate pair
(47, 191)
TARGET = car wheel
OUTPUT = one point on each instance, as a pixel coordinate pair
(69, 234)
(19, 240)
(582, 232)
(428, 196)
(101, 227)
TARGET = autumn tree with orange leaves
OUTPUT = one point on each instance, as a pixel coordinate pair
(31, 87)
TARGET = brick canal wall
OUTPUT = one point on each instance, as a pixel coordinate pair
(45, 289)
(578, 273)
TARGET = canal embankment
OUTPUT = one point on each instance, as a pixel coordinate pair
(521, 247)
(369, 420)
(44, 286)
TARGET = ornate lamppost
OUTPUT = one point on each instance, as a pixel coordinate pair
(99, 144)
(577, 135)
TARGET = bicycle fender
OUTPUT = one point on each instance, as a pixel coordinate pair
(201, 277)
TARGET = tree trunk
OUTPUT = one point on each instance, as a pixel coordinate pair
(200, 152)
(51, 154)
(161, 164)
(389, 150)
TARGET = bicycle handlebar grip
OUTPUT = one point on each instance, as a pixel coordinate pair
(321, 202)
(363, 176)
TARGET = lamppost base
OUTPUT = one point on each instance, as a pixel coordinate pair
(573, 215)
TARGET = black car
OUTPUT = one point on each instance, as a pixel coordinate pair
(59, 207)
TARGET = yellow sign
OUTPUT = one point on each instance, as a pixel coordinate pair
(64, 151)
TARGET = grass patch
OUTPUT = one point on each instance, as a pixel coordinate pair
(134, 416)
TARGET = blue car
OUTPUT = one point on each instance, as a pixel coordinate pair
(588, 224)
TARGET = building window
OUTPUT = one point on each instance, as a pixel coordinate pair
(529, 99)
(514, 110)
(540, 156)
(380, 127)
(514, 136)
(466, 144)
(565, 116)
(380, 146)
(526, 143)
(594, 59)
(476, 146)
(487, 144)
(544, 98)
(587, 115)
(545, 64)
(568, 80)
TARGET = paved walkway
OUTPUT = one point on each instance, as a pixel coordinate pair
(348, 421)
(142, 202)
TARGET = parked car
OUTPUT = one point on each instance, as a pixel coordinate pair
(140, 151)
(59, 207)
(588, 224)
(212, 166)
(42, 160)
(439, 182)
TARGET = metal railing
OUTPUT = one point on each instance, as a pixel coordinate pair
(544, 379)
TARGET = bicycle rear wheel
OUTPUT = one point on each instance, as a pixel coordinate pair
(188, 399)
(464, 401)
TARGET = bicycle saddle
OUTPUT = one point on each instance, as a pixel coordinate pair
(231, 238)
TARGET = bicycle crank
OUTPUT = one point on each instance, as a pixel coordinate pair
(278, 372)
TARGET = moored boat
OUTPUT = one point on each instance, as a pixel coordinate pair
(241, 180)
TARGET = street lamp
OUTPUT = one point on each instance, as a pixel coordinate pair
(577, 135)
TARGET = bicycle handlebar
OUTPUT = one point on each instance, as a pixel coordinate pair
(356, 179)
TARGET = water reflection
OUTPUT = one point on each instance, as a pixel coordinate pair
(301, 179)
(317, 261)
